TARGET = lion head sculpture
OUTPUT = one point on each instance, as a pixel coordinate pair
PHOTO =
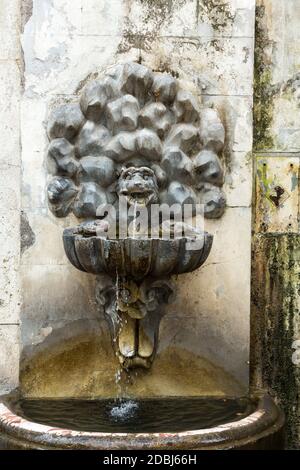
(138, 186)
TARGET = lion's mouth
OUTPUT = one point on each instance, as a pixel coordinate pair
(137, 197)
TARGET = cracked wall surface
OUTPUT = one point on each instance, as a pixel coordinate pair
(208, 46)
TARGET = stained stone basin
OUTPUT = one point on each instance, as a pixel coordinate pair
(259, 427)
(136, 257)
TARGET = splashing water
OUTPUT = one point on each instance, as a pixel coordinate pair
(124, 410)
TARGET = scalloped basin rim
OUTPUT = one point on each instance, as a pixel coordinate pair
(72, 232)
(136, 257)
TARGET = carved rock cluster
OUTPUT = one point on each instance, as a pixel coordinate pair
(133, 117)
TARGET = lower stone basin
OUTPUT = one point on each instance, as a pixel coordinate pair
(136, 257)
(261, 428)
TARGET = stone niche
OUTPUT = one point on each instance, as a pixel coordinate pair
(136, 141)
(204, 337)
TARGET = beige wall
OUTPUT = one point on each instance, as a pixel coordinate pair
(10, 163)
(209, 46)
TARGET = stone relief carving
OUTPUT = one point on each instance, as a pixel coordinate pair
(135, 135)
(136, 118)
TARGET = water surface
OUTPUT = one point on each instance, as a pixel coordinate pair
(147, 415)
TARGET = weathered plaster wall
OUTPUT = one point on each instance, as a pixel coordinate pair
(277, 112)
(275, 322)
(10, 162)
(209, 44)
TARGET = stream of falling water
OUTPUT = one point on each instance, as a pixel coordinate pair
(118, 323)
(134, 227)
(123, 408)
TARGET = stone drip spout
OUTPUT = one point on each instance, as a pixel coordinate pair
(134, 311)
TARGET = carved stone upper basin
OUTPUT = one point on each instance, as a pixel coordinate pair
(136, 257)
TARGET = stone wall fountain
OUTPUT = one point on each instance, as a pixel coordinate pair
(136, 140)
(136, 160)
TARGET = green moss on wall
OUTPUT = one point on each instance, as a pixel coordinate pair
(263, 89)
(275, 323)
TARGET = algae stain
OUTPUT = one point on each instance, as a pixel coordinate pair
(218, 14)
(284, 269)
(263, 90)
(265, 183)
(155, 13)
(275, 323)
